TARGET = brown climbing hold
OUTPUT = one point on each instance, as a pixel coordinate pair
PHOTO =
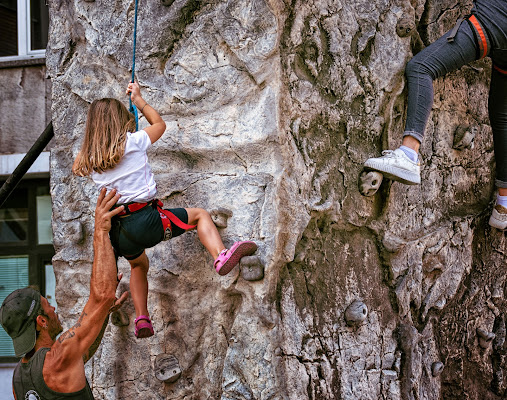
(120, 318)
(251, 268)
(485, 337)
(369, 182)
(167, 368)
(464, 137)
(356, 313)
(167, 2)
(436, 368)
(220, 216)
(405, 27)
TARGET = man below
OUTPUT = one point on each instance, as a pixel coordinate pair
(54, 368)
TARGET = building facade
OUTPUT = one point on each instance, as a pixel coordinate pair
(25, 218)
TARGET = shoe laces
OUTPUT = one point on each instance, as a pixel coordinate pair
(388, 153)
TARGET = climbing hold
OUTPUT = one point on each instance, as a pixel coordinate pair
(220, 216)
(464, 137)
(405, 27)
(167, 368)
(251, 268)
(485, 337)
(356, 313)
(75, 232)
(167, 2)
(120, 318)
(369, 182)
(436, 368)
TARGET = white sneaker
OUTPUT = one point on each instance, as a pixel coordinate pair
(498, 218)
(395, 165)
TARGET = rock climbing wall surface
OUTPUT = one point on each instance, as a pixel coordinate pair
(271, 109)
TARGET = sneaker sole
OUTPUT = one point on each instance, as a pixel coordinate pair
(496, 222)
(246, 248)
(395, 174)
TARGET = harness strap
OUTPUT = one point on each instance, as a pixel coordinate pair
(130, 208)
(167, 217)
(480, 35)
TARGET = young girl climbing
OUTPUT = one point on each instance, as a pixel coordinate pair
(482, 33)
(114, 154)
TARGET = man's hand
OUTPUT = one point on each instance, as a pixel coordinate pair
(103, 212)
(119, 302)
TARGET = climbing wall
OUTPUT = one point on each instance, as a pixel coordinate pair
(271, 109)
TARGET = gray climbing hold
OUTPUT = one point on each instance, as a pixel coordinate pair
(120, 318)
(167, 368)
(251, 268)
(436, 368)
(75, 232)
(369, 182)
(220, 216)
(405, 27)
(356, 313)
(464, 137)
(485, 337)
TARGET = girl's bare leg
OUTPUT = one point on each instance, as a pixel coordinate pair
(139, 283)
(206, 230)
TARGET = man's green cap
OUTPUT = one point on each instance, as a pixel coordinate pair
(17, 316)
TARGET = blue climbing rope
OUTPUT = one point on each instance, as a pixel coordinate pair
(133, 108)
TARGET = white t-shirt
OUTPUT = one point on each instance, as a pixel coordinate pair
(132, 176)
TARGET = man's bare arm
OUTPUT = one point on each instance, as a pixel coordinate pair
(95, 345)
(66, 355)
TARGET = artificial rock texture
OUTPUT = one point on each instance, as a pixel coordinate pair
(271, 108)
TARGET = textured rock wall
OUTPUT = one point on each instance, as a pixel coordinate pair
(271, 108)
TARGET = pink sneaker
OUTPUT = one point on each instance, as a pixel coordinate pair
(228, 259)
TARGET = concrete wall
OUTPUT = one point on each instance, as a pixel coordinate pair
(25, 107)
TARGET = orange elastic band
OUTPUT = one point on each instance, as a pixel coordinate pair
(502, 71)
(483, 44)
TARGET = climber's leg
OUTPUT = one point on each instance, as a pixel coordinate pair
(139, 290)
(497, 107)
(436, 60)
(225, 260)
(206, 230)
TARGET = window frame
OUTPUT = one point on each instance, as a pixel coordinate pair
(24, 35)
(38, 254)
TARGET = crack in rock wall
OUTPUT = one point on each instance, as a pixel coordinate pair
(271, 109)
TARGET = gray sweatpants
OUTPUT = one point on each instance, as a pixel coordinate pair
(442, 57)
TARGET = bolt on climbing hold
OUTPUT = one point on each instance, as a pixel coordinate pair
(220, 216)
(120, 318)
(405, 27)
(356, 313)
(167, 2)
(369, 182)
(485, 337)
(436, 368)
(464, 136)
(251, 268)
(167, 368)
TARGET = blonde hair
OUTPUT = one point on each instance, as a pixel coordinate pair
(107, 124)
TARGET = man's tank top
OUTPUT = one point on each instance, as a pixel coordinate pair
(29, 384)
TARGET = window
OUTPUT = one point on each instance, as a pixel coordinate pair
(26, 247)
(24, 28)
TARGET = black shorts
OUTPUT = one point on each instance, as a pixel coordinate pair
(132, 234)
